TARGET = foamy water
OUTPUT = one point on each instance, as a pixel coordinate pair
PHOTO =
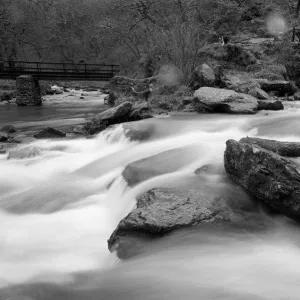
(58, 210)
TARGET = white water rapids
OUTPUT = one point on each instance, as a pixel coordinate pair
(59, 209)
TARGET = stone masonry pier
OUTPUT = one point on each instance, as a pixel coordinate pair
(28, 91)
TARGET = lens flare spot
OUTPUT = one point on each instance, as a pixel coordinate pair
(276, 25)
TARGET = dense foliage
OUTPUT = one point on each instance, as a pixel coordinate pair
(150, 32)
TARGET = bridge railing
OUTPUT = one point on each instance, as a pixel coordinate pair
(46, 70)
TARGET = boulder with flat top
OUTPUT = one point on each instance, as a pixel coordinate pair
(217, 100)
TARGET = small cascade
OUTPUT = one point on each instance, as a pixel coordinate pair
(115, 134)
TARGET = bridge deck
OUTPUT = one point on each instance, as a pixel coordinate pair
(58, 71)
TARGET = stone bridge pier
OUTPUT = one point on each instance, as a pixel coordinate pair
(28, 91)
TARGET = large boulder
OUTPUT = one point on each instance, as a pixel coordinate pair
(270, 105)
(281, 87)
(265, 175)
(203, 76)
(289, 149)
(49, 133)
(224, 101)
(162, 210)
(115, 115)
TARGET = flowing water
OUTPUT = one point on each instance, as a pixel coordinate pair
(57, 211)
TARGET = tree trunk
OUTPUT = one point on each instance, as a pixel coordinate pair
(297, 9)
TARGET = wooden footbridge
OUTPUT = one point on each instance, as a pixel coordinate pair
(58, 71)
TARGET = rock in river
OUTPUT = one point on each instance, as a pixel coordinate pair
(162, 210)
(109, 117)
(280, 86)
(224, 101)
(265, 174)
(124, 112)
(24, 152)
(270, 105)
(289, 149)
(8, 129)
(48, 133)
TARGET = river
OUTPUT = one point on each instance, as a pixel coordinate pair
(57, 211)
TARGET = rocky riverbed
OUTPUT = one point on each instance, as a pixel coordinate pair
(158, 191)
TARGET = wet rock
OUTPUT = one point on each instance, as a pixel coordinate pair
(57, 90)
(8, 129)
(259, 94)
(81, 98)
(111, 98)
(297, 96)
(266, 175)
(25, 152)
(203, 76)
(289, 149)
(270, 105)
(224, 101)
(139, 133)
(166, 162)
(5, 138)
(48, 133)
(162, 210)
(7, 96)
(140, 112)
(279, 86)
(115, 115)
(5, 147)
(77, 130)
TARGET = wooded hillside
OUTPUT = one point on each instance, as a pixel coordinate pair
(131, 32)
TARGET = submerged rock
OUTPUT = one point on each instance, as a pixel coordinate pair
(138, 131)
(166, 162)
(224, 101)
(162, 210)
(49, 133)
(265, 175)
(25, 152)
